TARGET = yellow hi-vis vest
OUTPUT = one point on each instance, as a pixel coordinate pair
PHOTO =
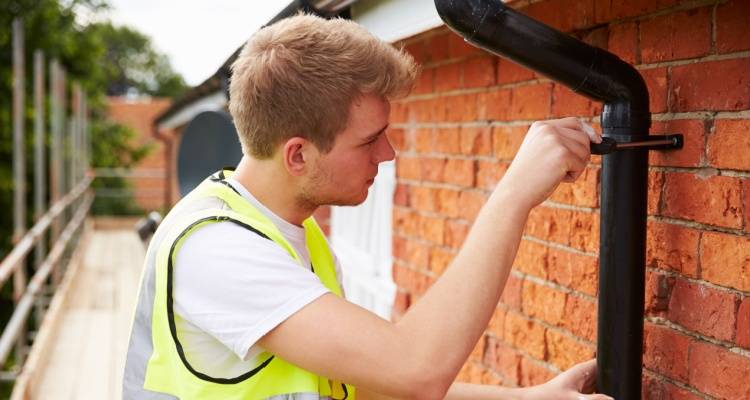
(156, 365)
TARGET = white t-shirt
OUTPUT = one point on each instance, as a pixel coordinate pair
(232, 286)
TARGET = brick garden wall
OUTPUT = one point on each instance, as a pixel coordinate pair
(148, 192)
(460, 128)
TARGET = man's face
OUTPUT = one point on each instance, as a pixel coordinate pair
(343, 175)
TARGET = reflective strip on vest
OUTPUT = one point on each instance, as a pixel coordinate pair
(156, 366)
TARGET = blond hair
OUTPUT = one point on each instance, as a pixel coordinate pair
(299, 76)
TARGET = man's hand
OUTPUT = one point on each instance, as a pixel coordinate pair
(573, 384)
(552, 151)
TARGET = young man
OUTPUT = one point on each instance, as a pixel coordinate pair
(241, 296)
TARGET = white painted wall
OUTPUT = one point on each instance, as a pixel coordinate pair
(361, 238)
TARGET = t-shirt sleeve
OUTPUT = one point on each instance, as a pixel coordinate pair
(237, 285)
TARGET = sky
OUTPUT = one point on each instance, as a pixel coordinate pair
(196, 35)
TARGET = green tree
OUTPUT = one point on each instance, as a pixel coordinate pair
(97, 56)
(130, 62)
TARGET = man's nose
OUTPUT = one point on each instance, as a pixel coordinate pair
(385, 150)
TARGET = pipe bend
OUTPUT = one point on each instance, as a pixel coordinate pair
(585, 69)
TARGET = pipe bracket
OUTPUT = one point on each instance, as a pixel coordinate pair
(613, 143)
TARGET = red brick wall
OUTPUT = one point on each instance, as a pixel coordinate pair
(460, 128)
(149, 192)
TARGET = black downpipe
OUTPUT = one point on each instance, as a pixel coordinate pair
(601, 76)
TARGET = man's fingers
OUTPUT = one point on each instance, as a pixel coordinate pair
(575, 144)
(576, 124)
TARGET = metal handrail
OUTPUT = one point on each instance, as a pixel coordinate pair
(14, 259)
(15, 326)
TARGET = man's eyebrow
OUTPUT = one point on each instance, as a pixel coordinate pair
(372, 136)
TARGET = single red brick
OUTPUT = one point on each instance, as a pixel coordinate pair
(447, 77)
(718, 372)
(423, 139)
(425, 82)
(447, 202)
(432, 168)
(746, 196)
(580, 317)
(510, 72)
(418, 111)
(564, 15)
(690, 154)
(479, 72)
(512, 293)
(583, 192)
(437, 47)
(534, 372)
(725, 260)
(566, 103)
(548, 223)
(675, 36)
(461, 107)
(460, 171)
(584, 231)
(455, 233)
(656, 80)
(703, 309)
(475, 141)
(408, 167)
(543, 302)
(489, 173)
(655, 185)
(713, 200)
(531, 258)
(531, 102)
(432, 229)
(743, 324)
(731, 26)
(494, 105)
(672, 247)
(729, 144)
(506, 140)
(418, 255)
(447, 141)
(696, 88)
(405, 221)
(576, 271)
(503, 359)
(423, 198)
(564, 351)
(666, 351)
(623, 41)
(525, 335)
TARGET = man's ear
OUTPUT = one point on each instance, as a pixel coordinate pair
(296, 154)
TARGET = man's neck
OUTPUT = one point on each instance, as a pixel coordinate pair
(271, 186)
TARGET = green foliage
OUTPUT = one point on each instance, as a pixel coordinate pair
(115, 147)
(101, 58)
(130, 62)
